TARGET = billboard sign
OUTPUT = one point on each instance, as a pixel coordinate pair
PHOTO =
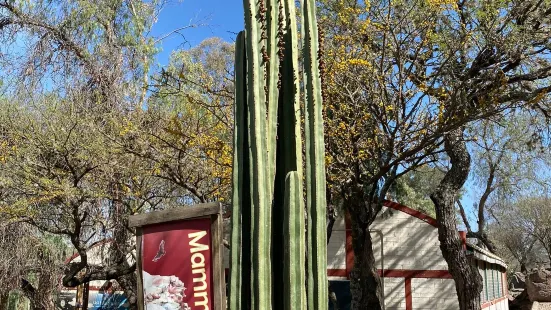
(176, 263)
(179, 259)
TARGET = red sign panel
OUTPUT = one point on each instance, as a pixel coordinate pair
(176, 263)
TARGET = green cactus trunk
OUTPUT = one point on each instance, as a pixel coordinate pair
(240, 207)
(268, 233)
(315, 164)
(294, 293)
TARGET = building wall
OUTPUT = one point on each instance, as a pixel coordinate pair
(500, 304)
(336, 252)
(408, 243)
(494, 292)
(395, 297)
(408, 257)
(415, 273)
(434, 294)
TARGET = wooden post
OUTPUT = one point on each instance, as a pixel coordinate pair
(139, 268)
(207, 210)
(78, 297)
(217, 229)
(85, 295)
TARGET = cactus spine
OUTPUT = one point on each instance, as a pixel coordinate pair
(268, 250)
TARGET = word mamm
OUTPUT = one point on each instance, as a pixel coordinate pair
(200, 289)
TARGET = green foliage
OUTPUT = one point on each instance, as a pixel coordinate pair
(394, 71)
(405, 78)
(509, 163)
(415, 187)
(521, 231)
(30, 255)
(78, 171)
(512, 151)
(189, 119)
(85, 141)
(77, 43)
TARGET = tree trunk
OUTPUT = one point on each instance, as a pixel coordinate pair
(31, 293)
(331, 218)
(120, 248)
(468, 282)
(365, 282)
(129, 284)
(523, 268)
(43, 296)
(4, 300)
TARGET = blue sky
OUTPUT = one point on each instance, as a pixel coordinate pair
(220, 18)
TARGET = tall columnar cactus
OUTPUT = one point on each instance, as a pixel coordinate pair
(268, 235)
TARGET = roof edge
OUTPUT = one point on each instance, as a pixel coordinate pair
(420, 215)
(485, 255)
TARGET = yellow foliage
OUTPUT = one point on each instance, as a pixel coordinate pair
(359, 62)
(127, 127)
(441, 4)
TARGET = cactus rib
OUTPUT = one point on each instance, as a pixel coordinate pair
(315, 165)
(268, 218)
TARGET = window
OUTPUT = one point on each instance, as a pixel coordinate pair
(497, 282)
(481, 271)
(486, 282)
(499, 292)
(493, 283)
(500, 287)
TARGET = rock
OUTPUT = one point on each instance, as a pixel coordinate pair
(514, 293)
(541, 306)
(520, 302)
(518, 281)
(517, 285)
(538, 285)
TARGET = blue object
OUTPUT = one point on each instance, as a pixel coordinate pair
(104, 301)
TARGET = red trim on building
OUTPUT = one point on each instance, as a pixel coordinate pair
(463, 236)
(504, 283)
(423, 217)
(427, 274)
(399, 207)
(493, 302)
(409, 300)
(71, 258)
(398, 273)
(337, 273)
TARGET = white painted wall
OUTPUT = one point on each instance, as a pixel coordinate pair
(336, 248)
(501, 305)
(433, 294)
(408, 243)
(395, 294)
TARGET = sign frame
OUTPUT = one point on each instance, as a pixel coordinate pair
(204, 210)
